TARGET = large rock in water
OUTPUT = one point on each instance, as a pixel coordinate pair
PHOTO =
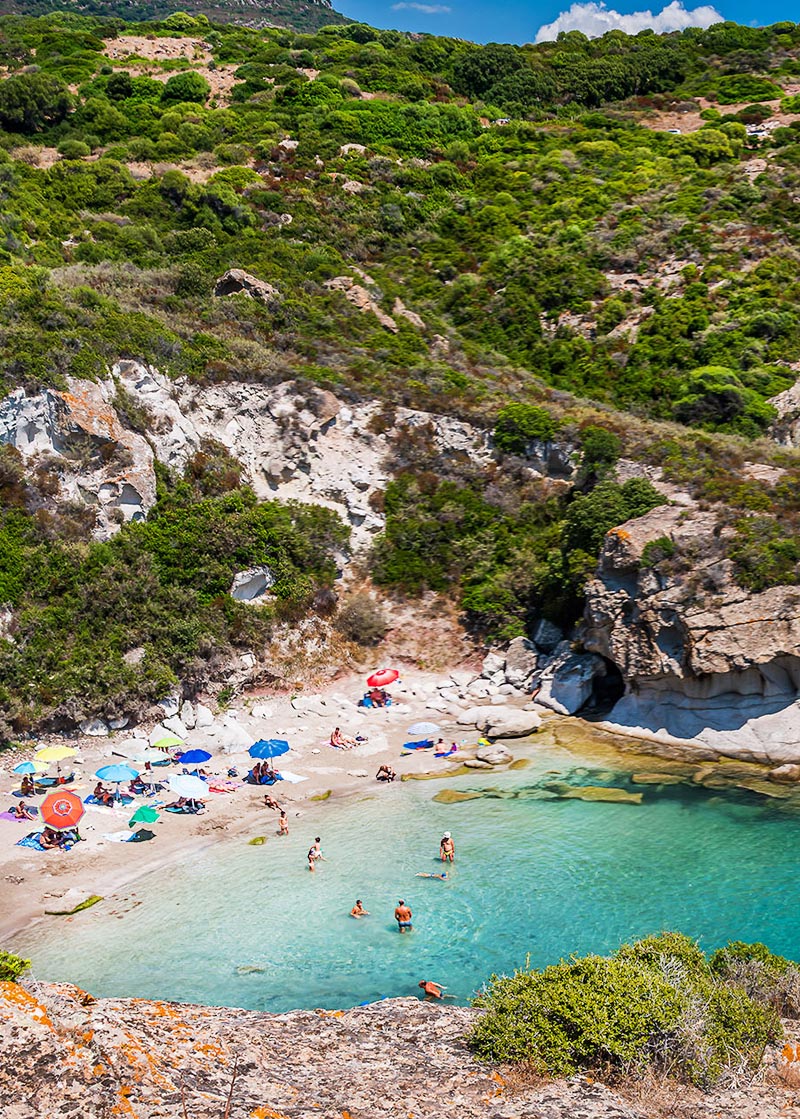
(703, 660)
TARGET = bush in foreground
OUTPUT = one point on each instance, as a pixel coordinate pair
(12, 967)
(657, 1003)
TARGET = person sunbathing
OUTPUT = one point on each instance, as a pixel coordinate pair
(378, 697)
(27, 788)
(22, 812)
(270, 802)
(340, 741)
(50, 839)
(102, 794)
(385, 773)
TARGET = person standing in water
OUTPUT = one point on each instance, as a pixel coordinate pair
(283, 823)
(447, 848)
(402, 915)
(315, 852)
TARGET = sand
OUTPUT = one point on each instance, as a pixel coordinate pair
(33, 881)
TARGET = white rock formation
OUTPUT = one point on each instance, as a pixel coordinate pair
(252, 584)
(568, 680)
(97, 461)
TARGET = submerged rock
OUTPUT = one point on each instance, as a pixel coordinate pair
(454, 796)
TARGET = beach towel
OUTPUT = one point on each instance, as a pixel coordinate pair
(184, 811)
(53, 782)
(92, 799)
(11, 816)
(31, 841)
(422, 745)
(439, 754)
(292, 778)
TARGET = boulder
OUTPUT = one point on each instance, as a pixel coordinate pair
(511, 722)
(170, 705)
(262, 711)
(494, 754)
(501, 722)
(547, 636)
(521, 661)
(492, 663)
(119, 723)
(238, 282)
(251, 584)
(473, 763)
(95, 728)
(175, 725)
(204, 716)
(188, 716)
(566, 683)
(786, 774)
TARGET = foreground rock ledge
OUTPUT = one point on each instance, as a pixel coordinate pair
(66, 1055)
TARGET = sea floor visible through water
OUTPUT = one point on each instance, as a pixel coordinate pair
(537, 877)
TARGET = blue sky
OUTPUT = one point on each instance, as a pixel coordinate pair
(517, 21)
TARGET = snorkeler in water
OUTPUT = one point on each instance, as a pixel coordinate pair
(441, 876)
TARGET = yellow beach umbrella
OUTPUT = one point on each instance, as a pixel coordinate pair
(167, 742)
(54, 753)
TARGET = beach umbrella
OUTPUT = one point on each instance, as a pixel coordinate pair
(268, 748)
(62, 810)
(117, 773)
(195, 757)
(144, 815)
(419, 731)
(185, 785)
(167, 742)
(383, 677)
(148, 755)
(28, 767)
(54, 753)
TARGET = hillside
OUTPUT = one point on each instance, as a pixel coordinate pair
(393, 239)
(299, 15)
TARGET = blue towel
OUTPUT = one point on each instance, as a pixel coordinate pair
(30, 841)
(421, 745)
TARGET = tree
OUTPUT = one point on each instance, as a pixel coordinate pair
(189, 86)
(29, 102)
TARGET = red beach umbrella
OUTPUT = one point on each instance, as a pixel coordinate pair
(383, 677)
(62, 810)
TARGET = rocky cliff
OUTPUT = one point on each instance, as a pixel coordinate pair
(66, 1055)
(702, 659)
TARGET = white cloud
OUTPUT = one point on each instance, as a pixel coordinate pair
(426, 9)
(595, 19)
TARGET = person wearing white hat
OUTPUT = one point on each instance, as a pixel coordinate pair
(447, 848)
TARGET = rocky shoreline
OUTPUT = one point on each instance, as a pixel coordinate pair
(69, 1056)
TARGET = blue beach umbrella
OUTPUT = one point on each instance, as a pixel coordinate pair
(194, 757)
(26, 767)
(117, 773)
(268, 748)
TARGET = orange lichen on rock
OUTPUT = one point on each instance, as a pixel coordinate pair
(266, 1113)
(14, 999)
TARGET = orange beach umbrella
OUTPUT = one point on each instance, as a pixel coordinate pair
(62, 810)
(383, 677)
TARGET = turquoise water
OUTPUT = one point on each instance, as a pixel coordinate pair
(534, 878)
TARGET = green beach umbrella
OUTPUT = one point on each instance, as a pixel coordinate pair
(144, 815)
(167, 742)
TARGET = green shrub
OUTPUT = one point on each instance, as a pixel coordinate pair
(73, 149)
(188, 86)
(519, 424)
(12, 967)
(600, 448)
(655, 551)
(655, 1003)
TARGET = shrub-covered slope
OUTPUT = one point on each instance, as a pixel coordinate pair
(513, 235)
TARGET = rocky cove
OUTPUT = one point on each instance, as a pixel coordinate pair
(671, 651)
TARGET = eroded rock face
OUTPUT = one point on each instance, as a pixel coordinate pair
(66, 1054)
(702, 658)
(97, 461)
(238, 282)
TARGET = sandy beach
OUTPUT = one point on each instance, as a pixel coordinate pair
(35, 881)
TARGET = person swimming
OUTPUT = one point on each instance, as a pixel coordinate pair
(423, 874)
(358, 910)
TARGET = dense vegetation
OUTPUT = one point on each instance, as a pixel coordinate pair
(573, 271)
(658, 1003)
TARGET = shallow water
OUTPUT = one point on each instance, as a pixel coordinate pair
(534, 878)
